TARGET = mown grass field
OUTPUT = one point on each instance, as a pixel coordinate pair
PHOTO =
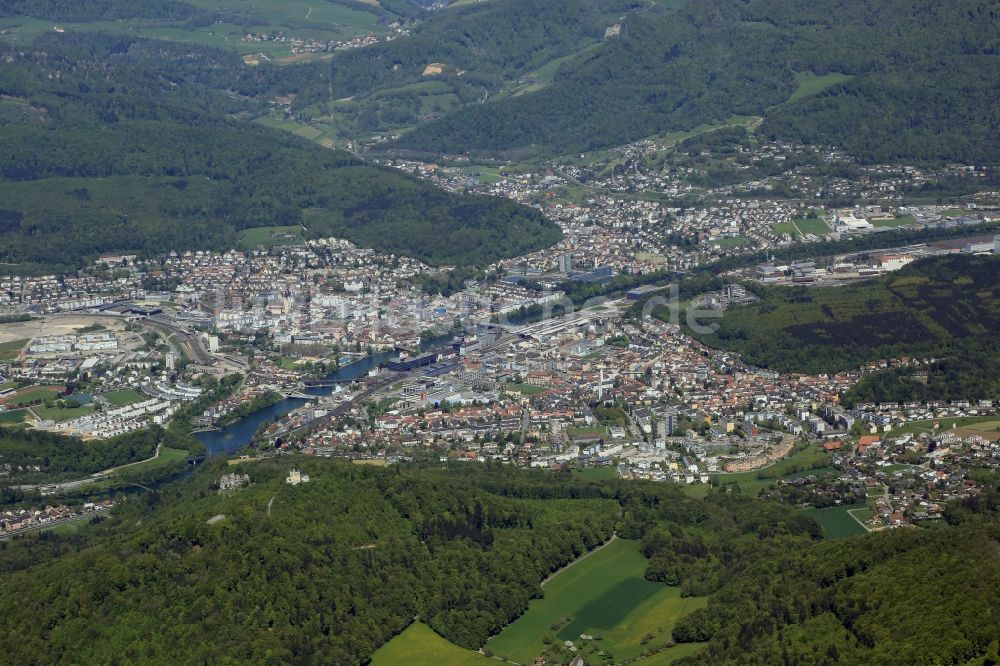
(294, 18)
(603, 594)
(167, 456)
(30, 395)
(60, 414)
(837, 522)
(805, 225)
(123, 397)
(813, 226)
(419, 645)
(13, 416)
(527, 389)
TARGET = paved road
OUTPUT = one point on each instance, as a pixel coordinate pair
(79, 483)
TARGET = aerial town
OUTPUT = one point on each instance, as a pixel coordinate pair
(470, 375)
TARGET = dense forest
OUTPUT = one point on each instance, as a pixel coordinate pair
(120, 144)
(920, 82)
(945, 306)
(912, 596)
(34, 456)
(959, 378)
(331, 569)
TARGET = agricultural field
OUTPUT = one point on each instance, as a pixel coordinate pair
(837, 522)
(123, 397)
(419, 645)
(327, 21)
(980, 423)
(10, 350)
(602, 594)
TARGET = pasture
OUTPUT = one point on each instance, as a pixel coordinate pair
(982, 424)
(812, 84)
(601, 594)
(419, 645)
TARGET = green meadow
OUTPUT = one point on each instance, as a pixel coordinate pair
(602, 594)
(419, 645)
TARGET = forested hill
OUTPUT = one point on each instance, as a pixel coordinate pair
(327, 571)
(112, 143)
(945, 306)
(917, 81)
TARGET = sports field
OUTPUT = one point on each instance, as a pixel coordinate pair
(270, 236)
(60, 414)
(13, 417)
(33, 394)
(602, 594)
(837, 522)
(419, 645)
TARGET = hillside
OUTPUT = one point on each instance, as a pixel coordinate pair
(453, 59)
(904, 79)
(943, 306)
(120, 144)
(324, 572)
(330, 570)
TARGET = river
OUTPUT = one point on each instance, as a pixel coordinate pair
(240, 433)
